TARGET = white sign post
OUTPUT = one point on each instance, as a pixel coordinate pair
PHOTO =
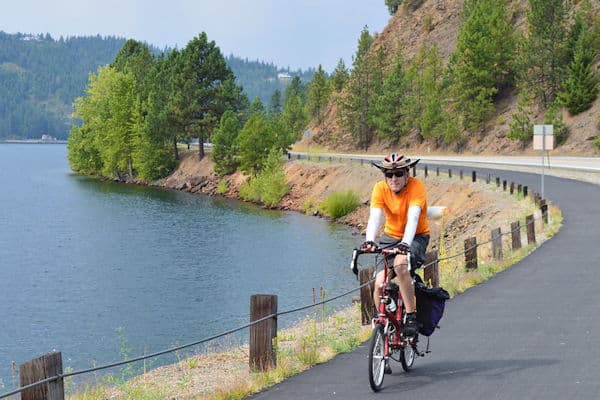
(543, 139)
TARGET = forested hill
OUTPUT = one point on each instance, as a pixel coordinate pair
(41, 76)
(261, 79)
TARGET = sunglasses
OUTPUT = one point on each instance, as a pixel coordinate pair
(397, 174)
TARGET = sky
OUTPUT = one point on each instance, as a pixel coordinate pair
(290, 34)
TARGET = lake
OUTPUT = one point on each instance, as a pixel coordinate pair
(99, 269)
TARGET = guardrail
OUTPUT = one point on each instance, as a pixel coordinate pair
(43, 378)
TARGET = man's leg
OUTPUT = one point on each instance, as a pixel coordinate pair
(405, 283)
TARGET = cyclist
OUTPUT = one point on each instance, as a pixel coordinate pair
(402, 201)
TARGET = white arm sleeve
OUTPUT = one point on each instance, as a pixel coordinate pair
(376, 217)
(411, 224)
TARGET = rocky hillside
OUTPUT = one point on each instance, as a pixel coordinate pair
(437, 22)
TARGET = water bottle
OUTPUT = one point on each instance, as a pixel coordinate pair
(391, 307)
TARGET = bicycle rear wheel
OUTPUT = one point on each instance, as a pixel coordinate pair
(377, 345)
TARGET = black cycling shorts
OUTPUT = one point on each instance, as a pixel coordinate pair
(417, 250)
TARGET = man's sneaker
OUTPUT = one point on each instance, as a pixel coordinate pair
(410, 325)
(387, 369)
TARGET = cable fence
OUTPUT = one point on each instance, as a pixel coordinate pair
(44, 376)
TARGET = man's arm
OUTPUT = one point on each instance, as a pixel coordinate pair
(412, 220)
(376, 217)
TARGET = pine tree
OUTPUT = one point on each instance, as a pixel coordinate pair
(481, 64)
(355, 105)
(543, 54)
(521, 126)
(433, 115)
(224, 151)
(387, 115)
(275, 106)
(318, 95)
(580, 88)
(340, 76)
(393, 5)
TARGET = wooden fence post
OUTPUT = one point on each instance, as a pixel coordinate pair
(262, 353)
(529, 221)
(366, 295)
(449, 173)
(512, 187)
(544, 209)
(43, 367)
(414, 169)
(461, 174)
(504, 185)
(437, 171)
(431, 273)
(498, 181)
(525, 189)
(497, 243)
(487, 179)
(426, 171)
(471, 253)
(474, 176)
(515, 230)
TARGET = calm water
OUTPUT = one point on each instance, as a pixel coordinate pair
(80, 260)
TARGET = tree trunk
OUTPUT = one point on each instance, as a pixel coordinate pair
(175, 149)
(200, 146)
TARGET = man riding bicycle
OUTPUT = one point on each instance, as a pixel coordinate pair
(402, 201)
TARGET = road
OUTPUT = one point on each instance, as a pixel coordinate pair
(530, 332)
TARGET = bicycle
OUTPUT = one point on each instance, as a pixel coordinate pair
(387, 340)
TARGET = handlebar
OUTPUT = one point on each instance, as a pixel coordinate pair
(378, 250)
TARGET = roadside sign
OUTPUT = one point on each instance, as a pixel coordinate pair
(543, 137)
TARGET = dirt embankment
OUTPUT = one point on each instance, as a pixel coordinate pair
(474, 208)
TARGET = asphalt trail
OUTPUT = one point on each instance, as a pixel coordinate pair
(530, 332)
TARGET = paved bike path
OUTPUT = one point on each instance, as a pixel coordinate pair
(530, 332)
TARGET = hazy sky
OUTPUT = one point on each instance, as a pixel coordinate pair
(295, 34)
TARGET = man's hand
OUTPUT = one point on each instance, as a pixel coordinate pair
(403, 248)
(368, 247)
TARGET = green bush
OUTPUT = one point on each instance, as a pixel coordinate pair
(340, 203)
(222, 187)
(269, 185)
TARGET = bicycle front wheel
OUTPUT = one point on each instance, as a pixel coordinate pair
(407, 357)
(377, 346)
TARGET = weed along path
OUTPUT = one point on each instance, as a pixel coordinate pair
(530, 332)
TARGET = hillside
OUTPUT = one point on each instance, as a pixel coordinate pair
(41, 76)
(437, 22)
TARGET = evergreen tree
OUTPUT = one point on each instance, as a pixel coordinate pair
(318, 95)
(257, 107)
(481, 64)
(294, 117)
(275, 106)
(224, 152)
(253, 143)
(340, 76)
(201, 71)
(434, 114)
(521, 126)
(543, 55)
(355, 105)
(156, 151)
(387, 115)
(393, 5)
(580, 88)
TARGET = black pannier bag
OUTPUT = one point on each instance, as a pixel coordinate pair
(430, 306)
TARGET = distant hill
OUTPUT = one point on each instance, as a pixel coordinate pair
(261, 79)
(41, 76)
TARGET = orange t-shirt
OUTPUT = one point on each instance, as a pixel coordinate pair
(396, 206)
